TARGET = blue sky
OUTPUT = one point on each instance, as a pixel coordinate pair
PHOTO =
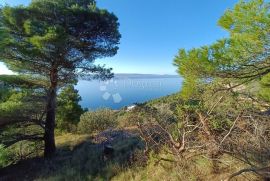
(153, 31)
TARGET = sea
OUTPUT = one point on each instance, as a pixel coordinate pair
(126, 90)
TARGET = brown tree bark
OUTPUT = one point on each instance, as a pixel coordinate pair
(49, 138)
(50, 147)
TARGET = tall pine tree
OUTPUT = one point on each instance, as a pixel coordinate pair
(57, 41)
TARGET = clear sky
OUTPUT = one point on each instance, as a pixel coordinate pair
(153, 31)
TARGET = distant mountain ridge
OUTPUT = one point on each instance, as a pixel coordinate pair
(143, 76)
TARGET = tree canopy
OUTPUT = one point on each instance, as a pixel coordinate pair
(240, 58)
(68, 34)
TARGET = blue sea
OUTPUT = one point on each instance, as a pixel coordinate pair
(121, 92)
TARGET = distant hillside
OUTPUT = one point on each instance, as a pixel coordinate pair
(143, 76)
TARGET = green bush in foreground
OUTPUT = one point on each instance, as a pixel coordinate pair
(4, 156)
(69, 109)
(97, 121)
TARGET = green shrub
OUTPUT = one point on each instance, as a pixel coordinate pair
(264, 91)
(4, 156)
(68, 109)
(97, 121)
(130, 119)
(144, 113)
(165, 116)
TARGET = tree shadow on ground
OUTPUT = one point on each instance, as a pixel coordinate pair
(99, 158)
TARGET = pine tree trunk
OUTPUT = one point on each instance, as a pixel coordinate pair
(49, 138)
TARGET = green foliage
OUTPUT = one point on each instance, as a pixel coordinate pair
(248, 24)
(19, 125)
(19, 104)
(98, 120)
(23, 140)
(23, 81)
(140, 114)
(164, 115)
(241, 58)
(159, 111)
(23, 150)
(78, 31)
(129, 119)
(57, 41)
(4, 93)
(173, 100)
(13, 104)
(265, 88)
(4, 156)
(68, 108)
(190, 89)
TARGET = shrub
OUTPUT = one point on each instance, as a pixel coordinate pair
(4, 156)
(97, 121)
(131, 119)
(160, 113)
(164, 115)
(68, 109)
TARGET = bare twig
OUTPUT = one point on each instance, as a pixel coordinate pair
(230, 129)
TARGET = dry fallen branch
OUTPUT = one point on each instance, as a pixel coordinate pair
(265, 171)
(232, 127)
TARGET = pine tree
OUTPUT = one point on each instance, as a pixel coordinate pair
(57, 41)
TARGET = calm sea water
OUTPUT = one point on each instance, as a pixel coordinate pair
(118, 93)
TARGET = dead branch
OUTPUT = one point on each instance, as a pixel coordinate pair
(232, 127)
(260, 171)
